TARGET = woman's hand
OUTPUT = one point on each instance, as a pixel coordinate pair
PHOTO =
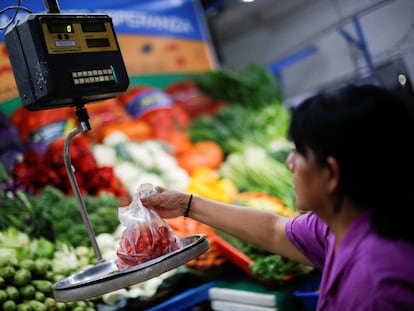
(167, 203)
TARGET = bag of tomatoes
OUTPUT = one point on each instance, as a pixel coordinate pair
(146, 235)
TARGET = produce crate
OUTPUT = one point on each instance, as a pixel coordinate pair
(186, 300)
(242, 261)
(309, 294)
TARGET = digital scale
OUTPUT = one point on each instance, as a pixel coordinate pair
(69, 60)
(64, 60)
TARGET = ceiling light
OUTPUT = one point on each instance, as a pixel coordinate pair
(402, 79)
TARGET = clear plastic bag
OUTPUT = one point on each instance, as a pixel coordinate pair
(146, 235)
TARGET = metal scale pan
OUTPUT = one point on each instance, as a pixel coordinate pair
(104, 277)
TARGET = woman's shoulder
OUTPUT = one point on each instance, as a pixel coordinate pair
(310, 236)
(308, 226)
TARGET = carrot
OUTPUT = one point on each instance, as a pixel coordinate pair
(134, 129)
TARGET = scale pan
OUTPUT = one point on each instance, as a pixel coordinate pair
(104, 277)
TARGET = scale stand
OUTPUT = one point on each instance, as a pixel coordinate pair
(104, 276)
(84, 126)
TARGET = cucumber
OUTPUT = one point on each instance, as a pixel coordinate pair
(24, 307)
(27, 292)
(50, 303)
(27, 264)
(61, 306)
(39, 296)
(12, 292)
(7, 272)
(22, 277)
(9, 305)
(3, 296)
(37, 305)
(43, 286)
(41, 267)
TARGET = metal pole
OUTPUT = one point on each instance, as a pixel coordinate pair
(83, 127)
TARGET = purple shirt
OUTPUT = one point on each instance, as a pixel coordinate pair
(368, 273)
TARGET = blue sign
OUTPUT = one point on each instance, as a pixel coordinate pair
(182, 19)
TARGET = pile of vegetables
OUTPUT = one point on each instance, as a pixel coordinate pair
(255, 169)
(254, 114)
(54, 215)
(252, 87)
(208, 183)
(14, 203)
(136, 162)
(236, 127)
(29, 268)
(37, 171)
(265, 202)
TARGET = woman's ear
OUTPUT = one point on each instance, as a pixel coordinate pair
(334, 173)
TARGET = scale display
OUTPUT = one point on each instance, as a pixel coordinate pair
(61, 60)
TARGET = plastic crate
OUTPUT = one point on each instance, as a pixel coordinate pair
(309, 294)
(186, 300)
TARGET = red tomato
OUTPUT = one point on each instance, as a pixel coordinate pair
(145, 242)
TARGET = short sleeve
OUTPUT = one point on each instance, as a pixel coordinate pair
(310, 235)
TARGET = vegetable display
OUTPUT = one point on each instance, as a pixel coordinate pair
(37, 171)
(53, 215)
(206, 182)
(236, 128)
(252, 87)
(264, 201)
(221, 136)
(27, 271)
(57, 217)
(14, 202)
(136, 163)
(256, 170)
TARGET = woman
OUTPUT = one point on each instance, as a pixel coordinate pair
(353, 168)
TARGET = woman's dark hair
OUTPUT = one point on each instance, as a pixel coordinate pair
(371, 134)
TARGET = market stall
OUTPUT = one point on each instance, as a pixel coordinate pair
(61, 194)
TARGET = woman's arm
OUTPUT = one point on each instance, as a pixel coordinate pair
(261, 228)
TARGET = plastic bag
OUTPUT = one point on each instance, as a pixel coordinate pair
(146, 235)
